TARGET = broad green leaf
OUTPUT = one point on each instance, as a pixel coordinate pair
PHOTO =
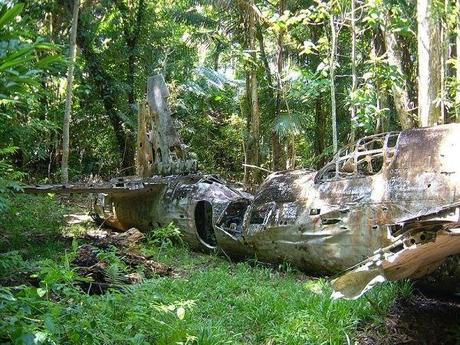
(11, 14)
(49, 60)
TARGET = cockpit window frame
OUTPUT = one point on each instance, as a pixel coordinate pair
(366, 157)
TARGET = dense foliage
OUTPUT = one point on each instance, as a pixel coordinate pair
(250, 80)
(273, 84)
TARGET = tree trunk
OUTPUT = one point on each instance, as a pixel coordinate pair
(264, 58)
(68, 101)
(332, 77)
(457, 71)
(132, 31)
(429, 61)
(320, 117)
(278, 144)
(400, 91)
(253, 98)
(354, 76)
(291, 153)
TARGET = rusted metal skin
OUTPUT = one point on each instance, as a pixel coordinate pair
(187, 201)
(420, 245)
(327, 221)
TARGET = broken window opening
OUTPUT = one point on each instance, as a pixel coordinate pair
(203, 223)
(258, 216)
(366, 158)
(315, 211)
(369, 164)
(392, 140)
(232, 221)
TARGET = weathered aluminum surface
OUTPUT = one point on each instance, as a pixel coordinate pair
(330, 220)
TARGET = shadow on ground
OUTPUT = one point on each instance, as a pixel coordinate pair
(421, 319)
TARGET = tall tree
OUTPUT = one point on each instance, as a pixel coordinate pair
(320, 118)
(68, 101)
(332, 77)
(106, 83)
(401, 97)
(279, 154)
(457, 43)
(252, 95)
(354, 76)
(429, 48)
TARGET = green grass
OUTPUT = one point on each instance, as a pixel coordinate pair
(208, 300)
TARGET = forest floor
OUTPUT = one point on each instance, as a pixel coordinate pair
(59, 285)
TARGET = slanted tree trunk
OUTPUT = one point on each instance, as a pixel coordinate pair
(291, 153)
(68, 101)
(264, 58)
(429, 61)
(332, 77)
(378, 46)
(105, 84)
(132, 31)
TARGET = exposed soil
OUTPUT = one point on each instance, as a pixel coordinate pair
(418, 320)
(88, 263)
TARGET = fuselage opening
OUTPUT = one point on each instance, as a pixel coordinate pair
(203, 224)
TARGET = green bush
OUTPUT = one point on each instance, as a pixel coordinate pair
(165, 236)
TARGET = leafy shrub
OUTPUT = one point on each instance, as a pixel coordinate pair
(15, 270)
(165, 236)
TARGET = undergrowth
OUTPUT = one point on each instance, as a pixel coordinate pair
(31, 224)
(207, 301)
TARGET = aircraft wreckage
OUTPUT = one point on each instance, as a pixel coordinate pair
(384, 208)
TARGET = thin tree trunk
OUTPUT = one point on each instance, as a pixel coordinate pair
(444, 66)
(378, 43)
(132, 31)
(264, 58)
(332, 77)
(429, 62)
(271, 95)
(278, 145)
(253, 97)
(68, 101)
(320, 117)
(457, 42)
(354, 77)
(291, 153)
(320, 131)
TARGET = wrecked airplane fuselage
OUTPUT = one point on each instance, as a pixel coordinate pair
(386, 207)
(392, 190)
(330, 220)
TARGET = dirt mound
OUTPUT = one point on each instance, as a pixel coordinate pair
(111, 261)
